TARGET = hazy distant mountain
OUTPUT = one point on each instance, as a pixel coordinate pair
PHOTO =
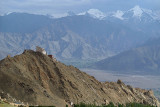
(145, 59)
(76, 37)
(89, 35)
(22, 22)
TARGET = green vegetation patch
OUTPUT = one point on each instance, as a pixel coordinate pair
(41, 106)
(112, 105)
(4, 104)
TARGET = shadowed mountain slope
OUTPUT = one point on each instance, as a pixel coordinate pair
(143, 60)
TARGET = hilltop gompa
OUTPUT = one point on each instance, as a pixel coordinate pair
(42, 50)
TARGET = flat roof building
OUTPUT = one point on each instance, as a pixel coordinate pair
(42, 50)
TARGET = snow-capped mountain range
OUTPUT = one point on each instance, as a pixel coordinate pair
(135, 12)
(88, 35)
(95, 13)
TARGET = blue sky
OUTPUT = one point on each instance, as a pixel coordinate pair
(61, 6)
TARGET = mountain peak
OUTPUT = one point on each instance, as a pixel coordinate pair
(137, 11)
(95, 13)
(119, 14)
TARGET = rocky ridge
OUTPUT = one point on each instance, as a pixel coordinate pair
(36, 79)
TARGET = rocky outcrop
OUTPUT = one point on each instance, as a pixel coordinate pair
(126, 93)
(36, 79)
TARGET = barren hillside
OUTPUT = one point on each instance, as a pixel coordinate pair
(37, 79)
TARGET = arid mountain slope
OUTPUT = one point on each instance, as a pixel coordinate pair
(36, 79)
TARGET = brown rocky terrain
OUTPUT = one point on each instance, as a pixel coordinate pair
(36, 79)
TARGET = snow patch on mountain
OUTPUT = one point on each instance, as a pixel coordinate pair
(95, 13)
(58, 15)
(137, 11)
(83, 13)
(4, 14)
(119, 14)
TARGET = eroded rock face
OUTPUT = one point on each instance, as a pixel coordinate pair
(36, 79)
(126, 93)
